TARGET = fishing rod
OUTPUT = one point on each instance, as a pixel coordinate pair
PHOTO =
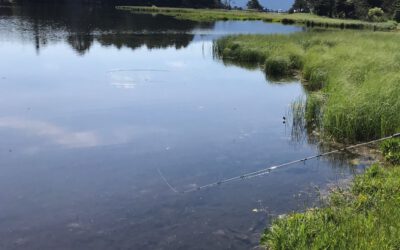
(268, 170)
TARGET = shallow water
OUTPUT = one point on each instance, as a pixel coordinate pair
(94, 102)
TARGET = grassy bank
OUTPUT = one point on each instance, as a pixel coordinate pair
(366, 216)
(353, 77)
(302, 19)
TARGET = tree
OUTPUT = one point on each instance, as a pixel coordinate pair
(396, 15)
(344, 9)
(349, 8)
(324, 7)
(254, 5)
(376, 14)
(301, 6)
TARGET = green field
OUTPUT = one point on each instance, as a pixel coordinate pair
(208, 15)
(353, 78)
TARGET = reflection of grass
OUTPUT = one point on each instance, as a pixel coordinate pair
(366, 216)
(353, 76)
(297, 110)
(215, 15)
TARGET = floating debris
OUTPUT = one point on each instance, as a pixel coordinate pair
(74, 225)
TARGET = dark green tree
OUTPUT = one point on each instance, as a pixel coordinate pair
(324, 7)
(254, 5)
(301, 5)
(344, 9)
(396, 15)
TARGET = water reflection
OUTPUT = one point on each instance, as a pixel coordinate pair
(80, 26)
(52, 132)
(84, 134)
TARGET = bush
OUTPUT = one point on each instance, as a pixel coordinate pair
(376, 15)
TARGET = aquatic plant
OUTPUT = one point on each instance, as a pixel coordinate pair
(297, 114)
(356, 74)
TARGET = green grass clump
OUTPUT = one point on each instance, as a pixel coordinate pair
(365, 217)
(277, 65)
(208, 15)
(356, 76)
(391, 151)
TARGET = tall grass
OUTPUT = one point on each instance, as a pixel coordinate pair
(309, 20)
(354, 76)
(366, 216)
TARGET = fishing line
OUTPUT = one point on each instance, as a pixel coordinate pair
(166, 182)
(268, 170)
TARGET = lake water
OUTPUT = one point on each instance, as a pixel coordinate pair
(96, 103)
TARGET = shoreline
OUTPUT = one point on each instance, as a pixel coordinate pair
(309, 20)
(344, 76)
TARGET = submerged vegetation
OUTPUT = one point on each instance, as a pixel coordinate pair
(353, 77)
(365, 216)
(310, 20)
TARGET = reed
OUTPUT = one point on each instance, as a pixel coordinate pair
(356, 76)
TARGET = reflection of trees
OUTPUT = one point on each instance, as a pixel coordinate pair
(81, 25)
(80, 42)
(152, 41)
(167, 3)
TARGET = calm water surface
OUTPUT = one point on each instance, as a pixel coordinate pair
(94, 102)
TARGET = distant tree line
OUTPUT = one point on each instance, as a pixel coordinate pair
(374, 10)
(82, 25)
(161, 3)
